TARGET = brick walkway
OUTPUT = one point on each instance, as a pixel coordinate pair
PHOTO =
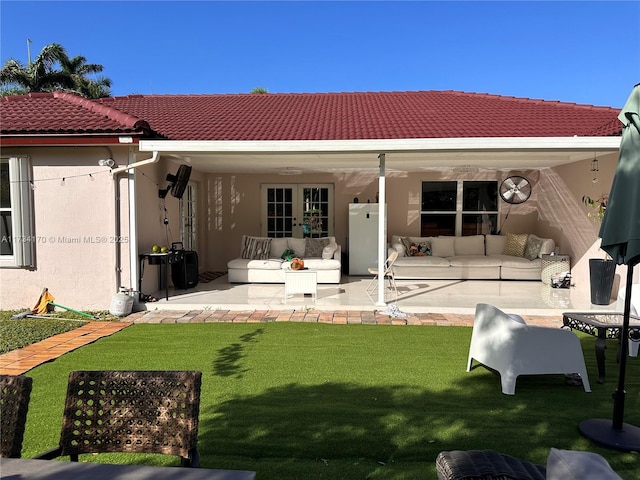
(24, 359)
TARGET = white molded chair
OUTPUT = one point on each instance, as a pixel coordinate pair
(505, 343)
(388, 274)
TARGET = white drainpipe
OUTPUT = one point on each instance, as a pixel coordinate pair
(133, 220)
(154, 159)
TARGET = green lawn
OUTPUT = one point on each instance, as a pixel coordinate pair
(314, 401)
(18, 333)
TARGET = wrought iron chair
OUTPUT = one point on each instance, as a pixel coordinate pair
(131, 412)
(15, 391)
(485, 465)
(387, 274)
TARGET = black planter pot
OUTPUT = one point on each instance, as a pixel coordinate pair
(601, 274)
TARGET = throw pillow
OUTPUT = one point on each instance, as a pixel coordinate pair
(576, 465)
(406, 243)
(256, 248)
(532, 250)
(329, 250)
(515, 244)
(313, 247)
(424, 249)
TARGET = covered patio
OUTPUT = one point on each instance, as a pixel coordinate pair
(360, 163)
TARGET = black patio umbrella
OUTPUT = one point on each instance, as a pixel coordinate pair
(620, 233)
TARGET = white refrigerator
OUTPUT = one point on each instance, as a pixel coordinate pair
(363, 237)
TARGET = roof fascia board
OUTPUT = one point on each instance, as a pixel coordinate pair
(384, 145)
(64, 141)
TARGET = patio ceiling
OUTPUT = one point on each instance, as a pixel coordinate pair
(407, 155)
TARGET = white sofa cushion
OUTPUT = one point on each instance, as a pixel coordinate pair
(475, 261)
(509, 261)
(576, 465)
(443, 246)
(426, 261)
(469, 245)
(278, 246)
(494, 244)
(248, 263)
(297, 245)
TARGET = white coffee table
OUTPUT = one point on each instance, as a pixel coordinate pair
(300, 281)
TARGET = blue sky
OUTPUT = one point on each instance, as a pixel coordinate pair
(584, 52)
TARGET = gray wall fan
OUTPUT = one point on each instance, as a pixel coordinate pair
(515, 189)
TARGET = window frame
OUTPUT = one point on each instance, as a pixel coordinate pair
(21, 235)
(458, 212)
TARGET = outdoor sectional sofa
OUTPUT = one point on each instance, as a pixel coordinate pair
(475, 257)
(264, 260)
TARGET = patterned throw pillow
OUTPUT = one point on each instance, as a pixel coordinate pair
(515, 244)
(424, 249)
(532, 250)
(313, 247)
(406, 243)
(256, 248)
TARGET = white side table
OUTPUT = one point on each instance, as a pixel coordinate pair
(552, 264)
(300, 281)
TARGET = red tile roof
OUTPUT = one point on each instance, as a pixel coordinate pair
(63, 113)
(317, 116)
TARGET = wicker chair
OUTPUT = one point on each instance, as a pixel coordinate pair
(15, 391)
(131, 412)
(485, 465)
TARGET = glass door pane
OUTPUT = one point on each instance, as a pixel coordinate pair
(188, 205)
(280, 218)
(316, 211)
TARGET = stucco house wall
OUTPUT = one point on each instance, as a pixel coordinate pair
(77, 241)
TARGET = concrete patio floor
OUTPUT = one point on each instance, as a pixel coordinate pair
(414, 296)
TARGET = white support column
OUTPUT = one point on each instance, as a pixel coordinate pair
(382, 221)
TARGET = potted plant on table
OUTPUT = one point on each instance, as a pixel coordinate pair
(602, 271)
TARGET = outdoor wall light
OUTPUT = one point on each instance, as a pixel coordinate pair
(594, 169)
(106, 162)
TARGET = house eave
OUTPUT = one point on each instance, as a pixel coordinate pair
(521, 144)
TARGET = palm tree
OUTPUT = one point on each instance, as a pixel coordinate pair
(38, 76)
(79, 70)
(41, 75)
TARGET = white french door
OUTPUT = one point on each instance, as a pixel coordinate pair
(297, 210)
(189, 224)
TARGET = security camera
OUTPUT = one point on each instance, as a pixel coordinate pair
(106, 163)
